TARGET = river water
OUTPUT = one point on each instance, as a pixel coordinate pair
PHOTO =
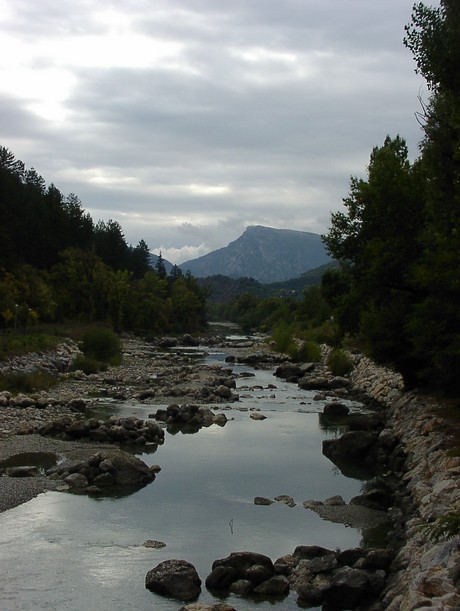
(66, 552)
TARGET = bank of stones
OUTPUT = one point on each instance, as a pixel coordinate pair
(424, 574)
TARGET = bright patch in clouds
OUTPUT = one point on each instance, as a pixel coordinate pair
(209, 189)
(188, 120)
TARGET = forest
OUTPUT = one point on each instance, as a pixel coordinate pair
(398, 242)
(58, 266)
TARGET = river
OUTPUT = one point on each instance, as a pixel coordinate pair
(68, 552)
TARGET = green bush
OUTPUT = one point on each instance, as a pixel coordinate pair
(339, 362)
(88, 365)
(102, 344)
(308, 352)
(282, 338)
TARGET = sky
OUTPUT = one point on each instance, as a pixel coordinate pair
(188, 120)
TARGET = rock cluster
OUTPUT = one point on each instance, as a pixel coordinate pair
(25, 420)
(52, 362)
(245, 573)
(103, 470)
(190, 416)
(343, 580)
(113, 430)
(410, 436)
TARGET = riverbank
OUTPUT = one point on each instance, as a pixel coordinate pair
(424, 574)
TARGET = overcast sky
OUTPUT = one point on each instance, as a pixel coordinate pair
(188, 120)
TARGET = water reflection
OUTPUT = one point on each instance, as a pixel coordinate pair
(71, 552)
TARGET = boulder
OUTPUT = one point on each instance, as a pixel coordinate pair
(176, 578)
(351, 445)
(305, 552)
(348, 588)
(288, 370)
(240, 565)
(76, 480)
(366, 422)
(221, 578)
(285, 500)
(260, 500)
(223, 392)
(105, 469)
(277, 585)
(336, 410)
(241, 587)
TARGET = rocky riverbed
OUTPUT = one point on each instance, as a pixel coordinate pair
(413, 433)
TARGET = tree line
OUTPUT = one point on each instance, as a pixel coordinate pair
(398, 242)
(57, 265)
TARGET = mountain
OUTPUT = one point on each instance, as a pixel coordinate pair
(265, 254)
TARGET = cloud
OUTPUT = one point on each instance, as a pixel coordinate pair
(188, 121)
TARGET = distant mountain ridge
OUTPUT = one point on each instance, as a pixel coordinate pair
(263, 253)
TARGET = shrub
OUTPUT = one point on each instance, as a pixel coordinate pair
(282, 337)
(88, 365)
(339, 362)
(102, 344)
(308, 352)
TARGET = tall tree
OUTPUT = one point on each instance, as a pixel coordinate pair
(433, 37)
(110, 244)
(160, 267)
(377, 242)
(140, 259)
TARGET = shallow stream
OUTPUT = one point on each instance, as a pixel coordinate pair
(67, 552)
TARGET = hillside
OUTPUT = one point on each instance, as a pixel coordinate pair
(221, 289)
(268, 255)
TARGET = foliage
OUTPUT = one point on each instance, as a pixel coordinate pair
(88, 365)
(57, 266)
(446, 526)
(398, 241)
(308, 352)
(223, 289)
(15, 345)
(102, 344)
(282, 338)
(339, 362)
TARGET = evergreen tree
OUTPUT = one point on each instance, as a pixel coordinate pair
(160, 267)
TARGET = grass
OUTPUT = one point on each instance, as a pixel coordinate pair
(12, 345)
(27, 382)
